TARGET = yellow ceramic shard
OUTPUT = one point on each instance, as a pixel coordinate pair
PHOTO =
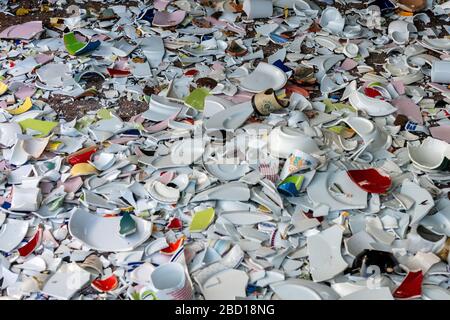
(82, 169)
(44, 127)
(53, 145)
(22, 12)
(201, 220)
(3, 88)
(22, 108)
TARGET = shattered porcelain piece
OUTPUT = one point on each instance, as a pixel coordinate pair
(166, 19)
(399, 31)
(337, 191)
(27, 31)
(264, 77)
(371, 180)
(325, 254)
(231, 118)
(430, 155)
(382, 293)
(411, 286)
(105, 285)
(66, 281)
(12, 232)
(101, 233)
(226, 285)
(332, 20)
(283, 140)
(423, 201)
(236, 191)
(374, 107)
(245, 218)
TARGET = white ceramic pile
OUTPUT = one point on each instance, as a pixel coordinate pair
(288, 149)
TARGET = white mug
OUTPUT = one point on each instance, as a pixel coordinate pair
(440, 71)
(171, 282)
(258, 8)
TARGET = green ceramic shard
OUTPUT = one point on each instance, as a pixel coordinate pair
(44, 127)
(196, 99)
(104, 113)
(201, 220)
(330, 106)
(72, 44)
(127, 225)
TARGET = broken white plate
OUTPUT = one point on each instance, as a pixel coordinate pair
(373, 107)
(8, 133)
(226, 285)
(383, 293)
(324, 250)
(332, 20)
(12, 232)
(226, 172)
(264, 77)
(284, 140)
(320, 191)
(162, 108)
(182, 153)
(67, 281)
(153, 49)
(287, 290)
(236, 191)
(296, 287)
(423, 200)
(245, 218)
(231, 118)
(102, 233)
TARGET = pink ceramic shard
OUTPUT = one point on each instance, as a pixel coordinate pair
(26, 31)
(348, 64)
(166, 19)
(408, 108)
(441, 133)
(161, 4)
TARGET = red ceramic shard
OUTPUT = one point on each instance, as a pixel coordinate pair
(370, 180)
(175, 224)
(117, 73)
(191, 73)
(106, 285)
(411, 286)
(32, 244)
(372, 93)
(81, 156)
(173, 247)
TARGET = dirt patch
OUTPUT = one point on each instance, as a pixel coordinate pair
(69, 109)
(376, 60)
(128, 109)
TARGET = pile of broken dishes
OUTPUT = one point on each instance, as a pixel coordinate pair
(252, 150)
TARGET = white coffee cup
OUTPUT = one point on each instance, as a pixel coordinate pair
(171, 282)
(256, 9)
(440, 71)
